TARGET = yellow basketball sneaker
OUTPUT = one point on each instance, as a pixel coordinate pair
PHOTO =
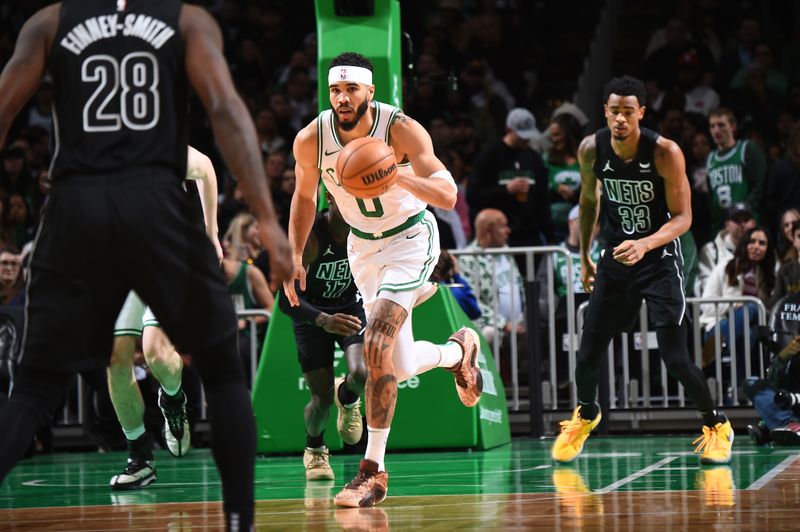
(348, 422)
(574, 432)
(715, 443)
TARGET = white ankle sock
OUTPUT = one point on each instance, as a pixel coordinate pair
(451, 354)
(376, 445)
(134, 433)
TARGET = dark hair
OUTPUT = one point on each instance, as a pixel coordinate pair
(795, 226)
(573, 132)
(351, 59)
(741, 263)
(625, 86)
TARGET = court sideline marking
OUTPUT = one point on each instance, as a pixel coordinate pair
(630, 478)
(772, 473)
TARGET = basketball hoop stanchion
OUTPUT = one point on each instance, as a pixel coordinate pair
(534, 360)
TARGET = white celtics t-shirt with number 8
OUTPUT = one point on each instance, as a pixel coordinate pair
(371, 216)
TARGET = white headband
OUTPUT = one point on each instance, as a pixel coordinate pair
(349, 73)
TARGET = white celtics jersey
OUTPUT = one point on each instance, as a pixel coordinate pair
(372, 215)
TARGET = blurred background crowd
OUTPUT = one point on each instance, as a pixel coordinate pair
(493, 83)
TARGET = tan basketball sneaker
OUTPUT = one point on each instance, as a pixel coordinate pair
(349, 420)
(367, 489)
(469, 381)
(317, 462)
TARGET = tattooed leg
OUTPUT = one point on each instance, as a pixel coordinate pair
(384, 325)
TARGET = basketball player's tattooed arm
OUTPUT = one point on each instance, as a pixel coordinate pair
(23, 72)
(587, 215)
(379, 339)
(233, 127)
(304, 205)
(409, 139)
(671, 165)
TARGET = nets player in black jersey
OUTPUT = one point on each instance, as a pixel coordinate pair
(117, 218)
(330, 312)
(646, 206)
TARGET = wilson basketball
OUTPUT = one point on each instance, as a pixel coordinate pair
(366, 167)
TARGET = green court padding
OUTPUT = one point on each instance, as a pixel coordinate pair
(428, 415)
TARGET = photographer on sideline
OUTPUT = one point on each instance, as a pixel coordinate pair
(777, 398)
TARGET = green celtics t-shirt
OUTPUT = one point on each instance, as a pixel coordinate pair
(562, 174)
(560, 279)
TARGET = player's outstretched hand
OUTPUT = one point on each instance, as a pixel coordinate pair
(296, 278)
(630, 252)
(588, 270)
(343, 324)
(275, 242)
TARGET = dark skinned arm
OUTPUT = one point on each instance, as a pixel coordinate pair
(233, 128)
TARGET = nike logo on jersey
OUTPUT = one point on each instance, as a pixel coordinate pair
(328, 251)
(607, 167)
(332, 152)
(412, 236)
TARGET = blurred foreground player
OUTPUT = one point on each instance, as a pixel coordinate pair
(118, 217)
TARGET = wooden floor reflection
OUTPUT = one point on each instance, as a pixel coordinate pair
(771, 504)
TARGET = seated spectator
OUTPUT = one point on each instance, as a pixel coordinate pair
(12, 284)
(250, 291)
(497, 282)
(739, 219)
(779, 423)
(446, 272)
(242, 243)
(751, 272)
(787, 280)
(787, 252)
(21, 224)
(563, 170)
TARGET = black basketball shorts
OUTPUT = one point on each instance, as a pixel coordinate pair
(619, 290)
(316, 346)
(102, 236)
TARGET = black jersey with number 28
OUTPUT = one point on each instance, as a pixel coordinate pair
(633, 203)
(118, 69)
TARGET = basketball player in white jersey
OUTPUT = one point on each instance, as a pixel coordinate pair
(166, 365)
(392, 248)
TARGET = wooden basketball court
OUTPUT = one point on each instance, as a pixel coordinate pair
(622, 482)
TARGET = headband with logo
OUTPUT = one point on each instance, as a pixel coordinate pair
(356, 74)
